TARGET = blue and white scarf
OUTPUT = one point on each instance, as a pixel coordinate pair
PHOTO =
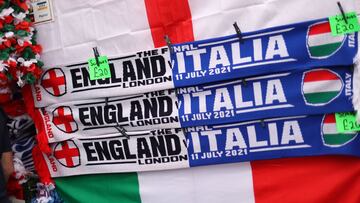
(291, 47)
(315, 91)
(203, 145)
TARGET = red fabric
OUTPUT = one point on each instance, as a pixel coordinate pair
(14, 108)
(41, 137)
(14, 188)
(8, 19)
(20, 49)
(28, 97)
(40, 166)
(37, 49)
(34, 70)
(309, 179)
(24, 25)
(4, 98)
(169, 18)
(35, 114)
(21, 3)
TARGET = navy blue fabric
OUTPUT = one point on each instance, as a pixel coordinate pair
(193, 112)
(290, 137)
(294, 37)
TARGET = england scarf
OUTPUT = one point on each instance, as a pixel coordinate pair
(316, 91)
(291, 47)
(204, 145)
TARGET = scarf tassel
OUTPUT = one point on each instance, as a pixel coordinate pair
(356, 83)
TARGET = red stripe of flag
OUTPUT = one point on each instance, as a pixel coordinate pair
(309, 179)
(172, 18)
(320, 29)
(320, 75)
(330, 118)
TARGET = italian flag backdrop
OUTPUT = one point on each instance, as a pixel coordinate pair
(121, 27)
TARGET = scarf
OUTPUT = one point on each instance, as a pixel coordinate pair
(316, 91)
(203, 145)
(291, 47)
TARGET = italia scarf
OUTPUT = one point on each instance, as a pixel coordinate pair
(291, 47)
(315, 91)
(205, 145)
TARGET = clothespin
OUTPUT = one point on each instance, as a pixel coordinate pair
(262, 121)
(168, 42)
(122, 130)
(106, 101)
(342, 11)
(238, 32)
(170, 64)
(244, 82)
(97, 55)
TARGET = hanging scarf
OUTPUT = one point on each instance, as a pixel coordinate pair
(22, 135)
(291, 47)
(204, 145)
(315, 91)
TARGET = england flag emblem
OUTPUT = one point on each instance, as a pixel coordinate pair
(67, 153)
(64, 120)
(53, 81)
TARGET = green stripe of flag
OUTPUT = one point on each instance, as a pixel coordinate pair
(337, 139)
(321, 97)
(100, 188)
(324, 50)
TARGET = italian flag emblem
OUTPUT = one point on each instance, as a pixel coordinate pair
(321, 86)
(331, 137)
(321, 43)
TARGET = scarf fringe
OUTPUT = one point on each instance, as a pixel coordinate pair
(356, 83)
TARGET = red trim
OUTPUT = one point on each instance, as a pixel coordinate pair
(320, 29)
(41, 137)
(169, 18)
(41, 166)
(320, 75)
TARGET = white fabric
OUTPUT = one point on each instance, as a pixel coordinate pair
(210, 184)
(116, 27)
(215, 17)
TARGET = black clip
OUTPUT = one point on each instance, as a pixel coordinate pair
(168, 42)
(342, 12)
(244, 82)
(238, 32)
(106, 101)
(122, 130)
(170, 65)
(262, 121)
(97, 55)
